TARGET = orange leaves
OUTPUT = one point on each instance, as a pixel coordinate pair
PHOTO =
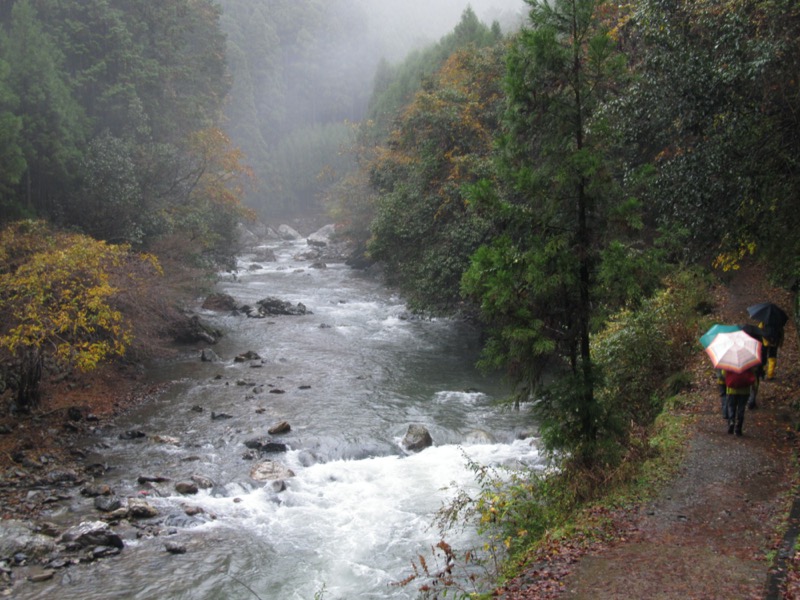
(221, 172)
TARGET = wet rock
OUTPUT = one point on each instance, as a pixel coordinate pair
(250, 455)
(140, 509)
(322, 236)
(142, 479)
(219, 302)
(208, 355)
(266, 445)
(91, 534)
(286, 232)
(132, 434)
(107, 503)
(104, 551)
(58, 563)
(217, 416)
(166, 439)
(269, 470)
(186, 487)
(192, 511)
(279, 428)
(275, 306)
(116, 515)
(175, 548)
(417, 438)
(41, 575)
(265, 254)
(74, 413)
(247, 356)
(192, 330)
(21, 537)
(202, 482)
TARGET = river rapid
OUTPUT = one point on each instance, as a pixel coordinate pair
(349, 378)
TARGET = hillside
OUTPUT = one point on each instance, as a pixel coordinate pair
(719, 528)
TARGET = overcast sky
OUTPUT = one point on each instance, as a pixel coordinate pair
(404, 23)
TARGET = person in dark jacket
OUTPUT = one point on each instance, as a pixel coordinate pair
(737, 391)
(757, 334)
(773, 339)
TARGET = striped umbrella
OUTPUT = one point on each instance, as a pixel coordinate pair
(734, 351)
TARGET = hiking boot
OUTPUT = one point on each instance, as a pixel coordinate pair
(730, 427)
(738, 433)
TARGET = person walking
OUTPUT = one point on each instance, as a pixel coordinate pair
(760, 371)
(723, 392)
(771, 320)
(737, 392)
(773, 339)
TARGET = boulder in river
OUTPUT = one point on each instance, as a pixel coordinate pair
(279, 428)
(186, 487)
(192, 330)
(219, 302)
(208, 355)
(269, 470)
(275, 306)
(91, 534)
(266, 445)
(20, 537)
(247, 356)
(140, 509)
(417, 438)
(202, 482)
(322, 236)
(286, 232)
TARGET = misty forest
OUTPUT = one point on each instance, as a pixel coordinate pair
(564, 177)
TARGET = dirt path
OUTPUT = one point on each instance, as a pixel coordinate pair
(709, 533)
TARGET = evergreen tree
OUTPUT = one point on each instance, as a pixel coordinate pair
(53, 123)
(536, 281)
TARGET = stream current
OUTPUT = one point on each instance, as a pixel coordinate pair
(349, 378)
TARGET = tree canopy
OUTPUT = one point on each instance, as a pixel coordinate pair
(626, 141)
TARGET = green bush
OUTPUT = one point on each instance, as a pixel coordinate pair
(641, 353)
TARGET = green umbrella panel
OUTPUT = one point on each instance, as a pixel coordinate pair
(715, 330)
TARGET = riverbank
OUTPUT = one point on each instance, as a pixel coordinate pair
(721, 527)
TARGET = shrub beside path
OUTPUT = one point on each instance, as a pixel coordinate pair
(716, 531)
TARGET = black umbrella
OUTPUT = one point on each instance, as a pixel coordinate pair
(768, 313)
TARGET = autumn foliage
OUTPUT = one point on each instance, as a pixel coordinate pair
(57, 303)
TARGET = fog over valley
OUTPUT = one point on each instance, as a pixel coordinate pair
(303, 73)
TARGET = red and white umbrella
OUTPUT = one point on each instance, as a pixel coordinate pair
(734, 351)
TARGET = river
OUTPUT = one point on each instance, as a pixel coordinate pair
(349, 378)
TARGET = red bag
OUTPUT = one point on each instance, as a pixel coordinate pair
(740, 380)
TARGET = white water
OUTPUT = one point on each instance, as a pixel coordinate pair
(354, 375)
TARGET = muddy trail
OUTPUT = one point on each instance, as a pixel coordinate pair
(715, 531)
